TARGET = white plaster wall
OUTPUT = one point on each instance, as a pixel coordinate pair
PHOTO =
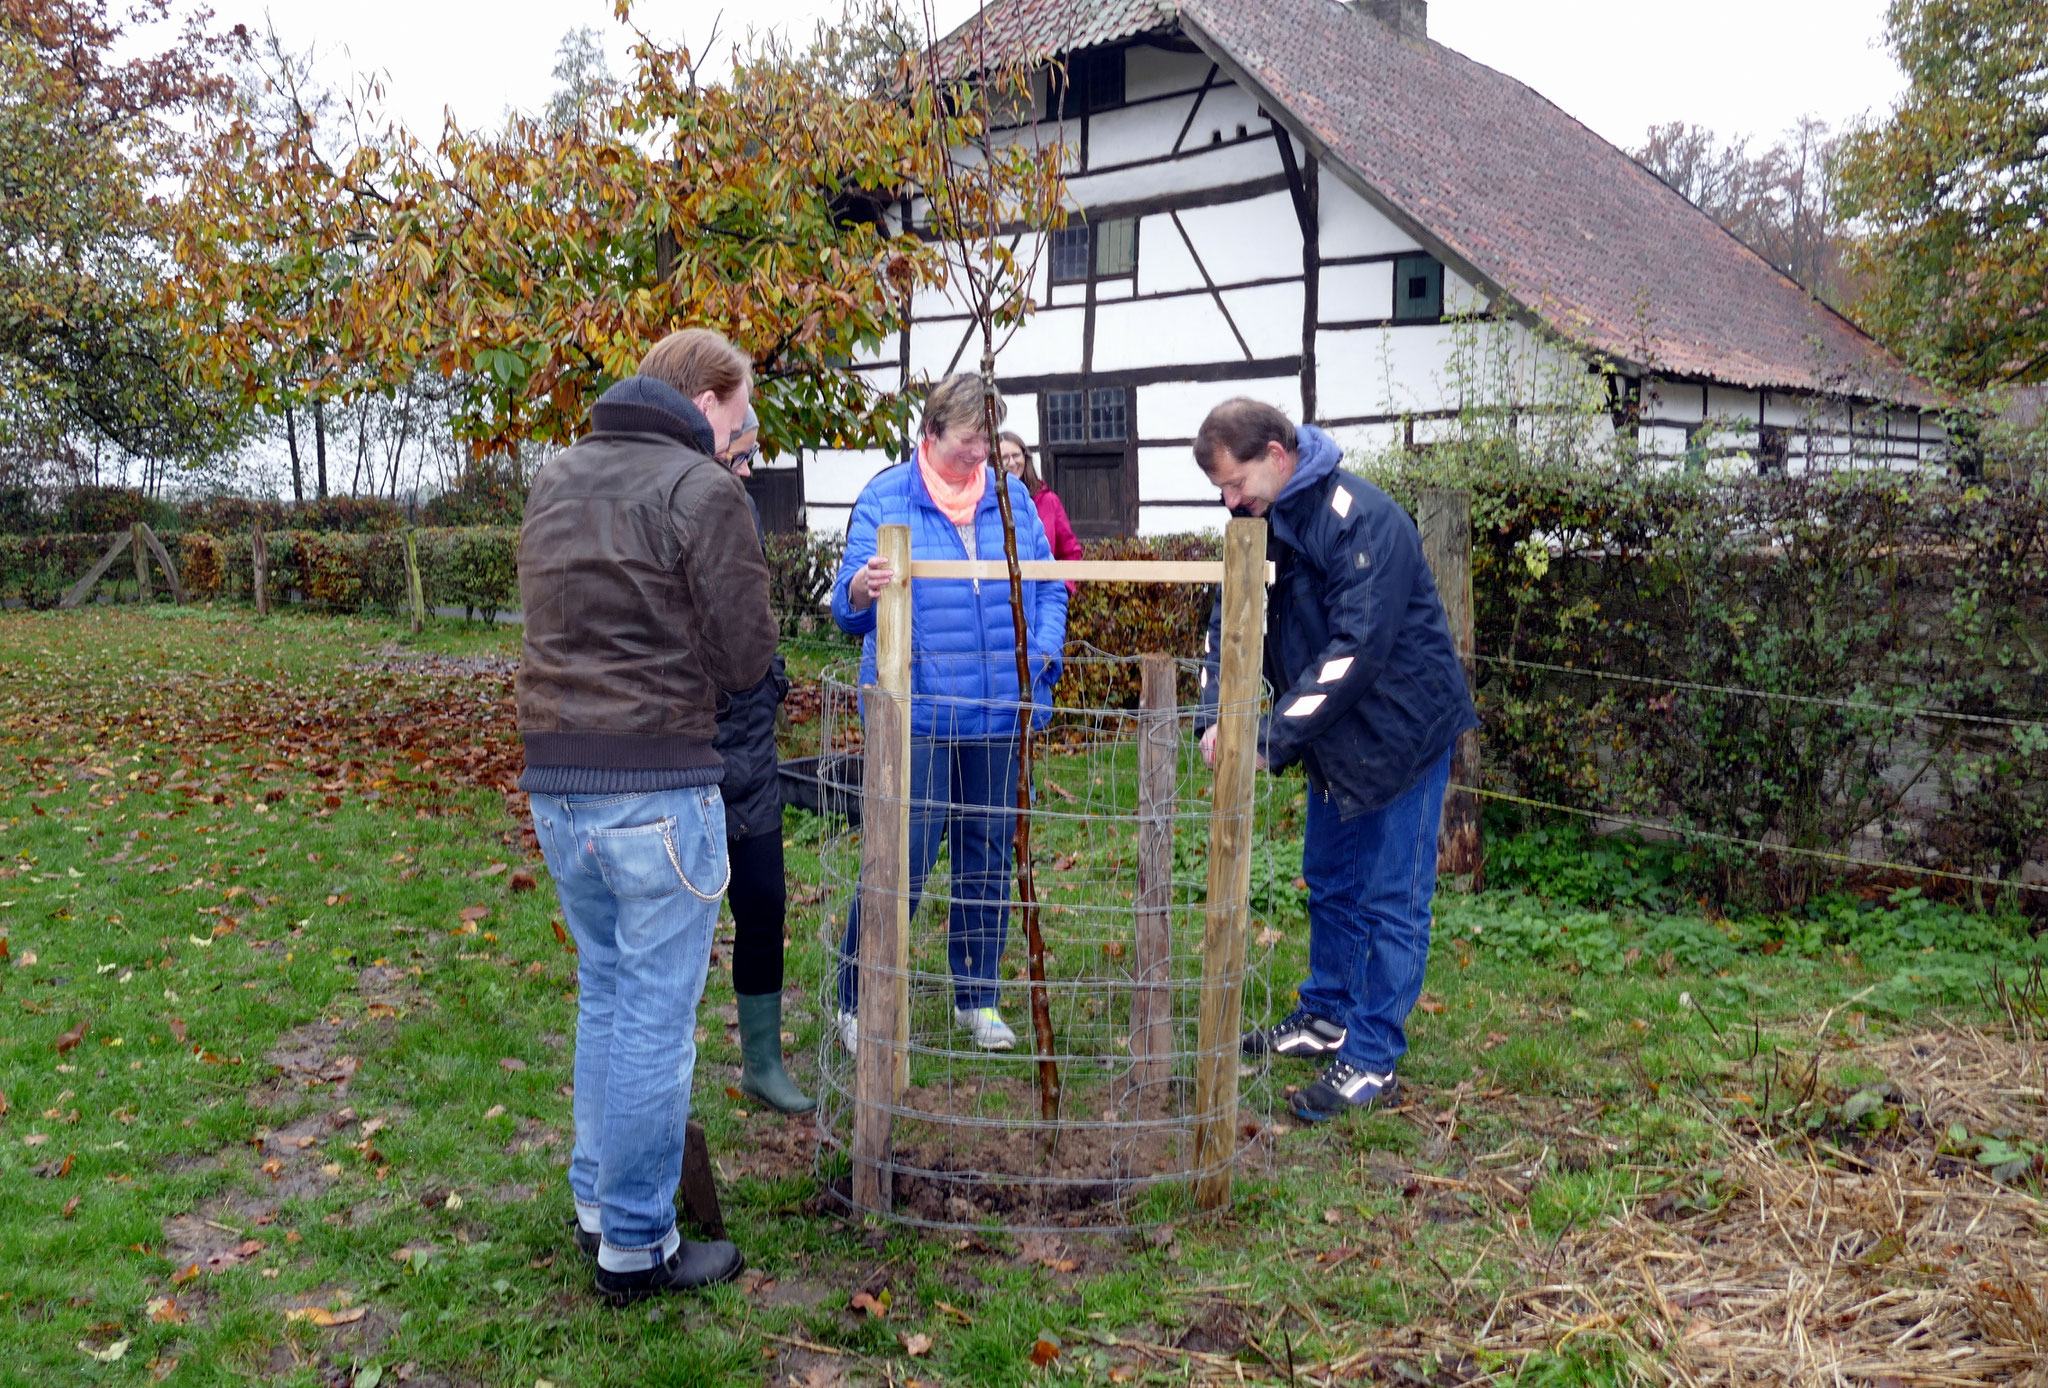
(1353, 226)
(1678, 400)
(1366, 440)
(1161, 332)
(1131, 133)
(1724, 403)
(935, 348)
(1176, 410)
(1181, 520)
(1254, 239)
(1206, 168)
(1227, 107)
(1049, 341)
(1170, 474)
(1350, 292)
(1461, 295)
(1150, 71)
(1269, 317)
(834, 476)
(1164, 263)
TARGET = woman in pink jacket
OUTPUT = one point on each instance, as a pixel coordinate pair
(1052, 513)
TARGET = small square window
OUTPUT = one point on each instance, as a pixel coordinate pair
(1418, 289)
(1065, 419)
(1116, 248)
(1069, 254)
(1106, 415)
(1094, 82)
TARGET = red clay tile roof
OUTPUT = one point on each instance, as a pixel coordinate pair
(1509, 190)
(1046, 28)
(1541, 208)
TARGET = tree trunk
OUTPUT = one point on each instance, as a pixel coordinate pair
(320, 447)
(291, 441)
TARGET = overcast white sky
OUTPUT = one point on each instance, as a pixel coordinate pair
(1739, 67)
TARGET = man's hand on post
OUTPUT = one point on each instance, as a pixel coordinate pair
(1209, 750)
(868, 581)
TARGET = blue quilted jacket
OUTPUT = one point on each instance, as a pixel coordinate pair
(963, 651)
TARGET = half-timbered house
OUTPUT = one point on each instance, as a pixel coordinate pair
(1314, 203)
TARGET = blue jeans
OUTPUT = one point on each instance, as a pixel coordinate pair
(1370, 880)
(640, 877)
(962, 794)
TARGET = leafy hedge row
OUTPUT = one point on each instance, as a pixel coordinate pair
(1841, 602)
(471, 568)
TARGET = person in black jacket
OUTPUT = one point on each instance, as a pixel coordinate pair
(753, 832)
(1369, 697)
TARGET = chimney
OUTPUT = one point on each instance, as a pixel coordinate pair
(1408, 18)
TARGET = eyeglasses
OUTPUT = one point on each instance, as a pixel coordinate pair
(744, 458)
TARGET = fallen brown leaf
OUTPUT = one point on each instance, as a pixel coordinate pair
(71, 1207)
(184, 1274)
(1045, 1349)
(1430, 1003)
(165, 1310)
(512, 1063)
(320, 1315)
(68, 1042)
(522, 881)
(916, 1345)
(877, 1307)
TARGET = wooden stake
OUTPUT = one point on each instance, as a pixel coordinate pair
(141, 562)
(413, 592)
(1445, 518)
(882, 1062)
(75, 594)
(1230, 843)
(259, 566)
(163, 559)
(1158, 730)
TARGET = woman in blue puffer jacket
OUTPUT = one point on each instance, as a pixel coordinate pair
(966, 712)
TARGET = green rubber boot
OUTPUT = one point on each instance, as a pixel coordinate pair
(762, 1074)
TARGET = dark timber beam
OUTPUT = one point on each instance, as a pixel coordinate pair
(1304, 186)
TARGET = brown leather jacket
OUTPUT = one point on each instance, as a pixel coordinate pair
(645, 596)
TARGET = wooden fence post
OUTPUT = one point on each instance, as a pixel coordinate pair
(1445, 518)
(163, 560)
(1230, 842)
(1158, 727)
(415, 595)
(259, 570)
(75, 594)
(882, 1068)
(141, 562)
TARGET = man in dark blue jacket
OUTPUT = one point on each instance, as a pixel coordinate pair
(1369, 697)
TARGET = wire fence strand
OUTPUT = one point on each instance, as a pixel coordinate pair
(1738, 691)
(1758, 844)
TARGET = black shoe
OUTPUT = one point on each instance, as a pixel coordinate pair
(1302, 1035)
(1340, 1089)
(586, 1241)
(691, 1266)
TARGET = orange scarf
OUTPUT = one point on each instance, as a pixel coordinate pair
(957, 501)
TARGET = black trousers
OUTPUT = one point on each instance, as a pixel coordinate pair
(758, 900)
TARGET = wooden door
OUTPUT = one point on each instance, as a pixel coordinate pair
(1092, 482)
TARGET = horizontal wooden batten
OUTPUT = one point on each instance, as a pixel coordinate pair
(1078, 570)
(1201, 290)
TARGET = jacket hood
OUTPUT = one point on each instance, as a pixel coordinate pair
(1317, 456)
(643, 405)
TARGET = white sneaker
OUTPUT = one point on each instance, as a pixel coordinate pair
(849, 1032)
(987, 1026)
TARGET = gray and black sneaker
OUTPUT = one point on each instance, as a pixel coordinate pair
(1342, 1088)
(1301, 1035)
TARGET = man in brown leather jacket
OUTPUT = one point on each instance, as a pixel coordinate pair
(645, 596)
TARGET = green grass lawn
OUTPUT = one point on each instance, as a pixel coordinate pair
(286, 1044)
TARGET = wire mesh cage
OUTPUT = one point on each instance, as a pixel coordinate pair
(1121, 824)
